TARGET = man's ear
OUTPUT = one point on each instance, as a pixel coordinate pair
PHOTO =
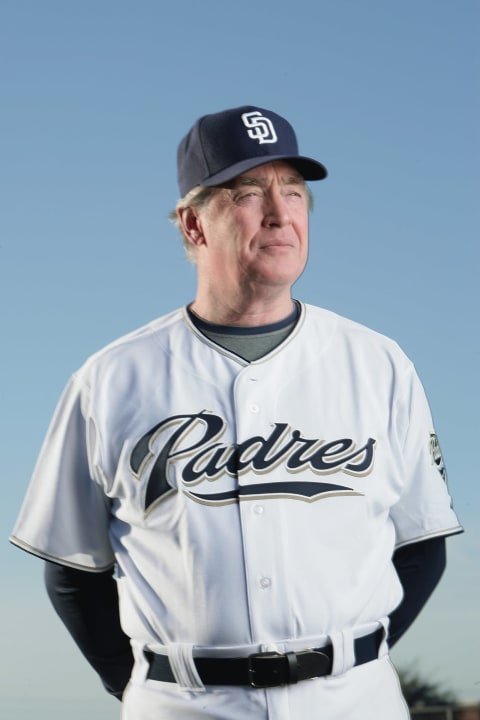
(191, 225)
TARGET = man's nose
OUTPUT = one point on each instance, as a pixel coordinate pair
(276, 210)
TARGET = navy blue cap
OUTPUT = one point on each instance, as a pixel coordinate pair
(226, 144)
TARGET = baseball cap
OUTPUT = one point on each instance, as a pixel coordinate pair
(223, 145)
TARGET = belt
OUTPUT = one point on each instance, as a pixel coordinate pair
(268, 669)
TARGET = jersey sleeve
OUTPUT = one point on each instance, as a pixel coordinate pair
(65, 514)
(425, 508)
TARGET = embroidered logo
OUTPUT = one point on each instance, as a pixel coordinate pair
(436, 455)
(193, 444)
(259, 127)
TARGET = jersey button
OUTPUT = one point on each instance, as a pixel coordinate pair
(254, 408)
(258, 509)
(265, 583)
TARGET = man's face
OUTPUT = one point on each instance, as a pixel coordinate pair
(254, 231)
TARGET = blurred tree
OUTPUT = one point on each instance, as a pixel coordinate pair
(421, 692)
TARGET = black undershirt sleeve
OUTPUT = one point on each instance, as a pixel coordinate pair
(87, 604)
(420, 567)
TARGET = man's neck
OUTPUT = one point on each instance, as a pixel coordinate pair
(251, 312)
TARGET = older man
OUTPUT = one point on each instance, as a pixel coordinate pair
(263, 474)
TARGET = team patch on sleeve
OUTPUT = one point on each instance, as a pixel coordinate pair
(436, 455)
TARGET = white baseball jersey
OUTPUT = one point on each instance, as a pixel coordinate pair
(248, 506)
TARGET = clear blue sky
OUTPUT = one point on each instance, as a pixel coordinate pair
(95, 95)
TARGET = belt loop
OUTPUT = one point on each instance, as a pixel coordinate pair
(292, 667)
(183, 667)
(343, 652)
(383, 649)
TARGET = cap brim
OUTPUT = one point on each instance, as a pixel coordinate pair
(308, 168)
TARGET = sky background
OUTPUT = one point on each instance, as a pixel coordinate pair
(95, 96)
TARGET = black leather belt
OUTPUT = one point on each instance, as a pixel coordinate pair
(265, 670)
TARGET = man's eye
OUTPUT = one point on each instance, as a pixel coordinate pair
(247, 195)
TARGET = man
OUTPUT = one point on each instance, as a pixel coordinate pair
(264, 475)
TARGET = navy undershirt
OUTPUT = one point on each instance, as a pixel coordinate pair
(250, 343)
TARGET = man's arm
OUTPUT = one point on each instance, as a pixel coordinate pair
(420, 567)
(87, 604)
